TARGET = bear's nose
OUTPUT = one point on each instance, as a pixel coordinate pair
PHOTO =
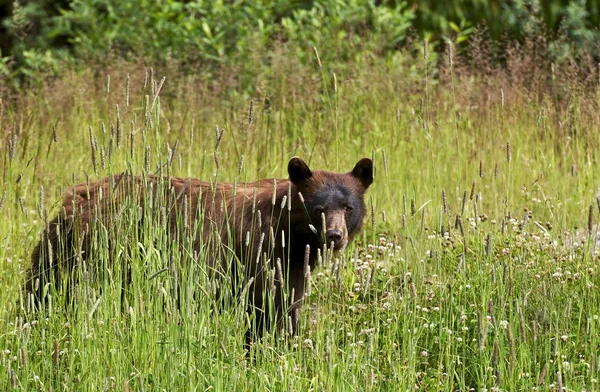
(334, 236)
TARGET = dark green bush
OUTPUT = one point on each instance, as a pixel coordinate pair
(38, 37)
(196, 32)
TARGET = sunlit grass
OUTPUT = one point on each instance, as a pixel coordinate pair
(493, 285)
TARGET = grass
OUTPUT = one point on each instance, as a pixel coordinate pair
(492, 286)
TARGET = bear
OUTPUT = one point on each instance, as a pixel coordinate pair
(268, 233)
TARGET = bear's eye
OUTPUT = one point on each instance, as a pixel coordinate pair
(319, 210)
(348, 208)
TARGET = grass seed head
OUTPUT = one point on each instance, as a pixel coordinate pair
(147, 159)
(251, 112)
(22, 205)
(283, 201)
(373, 216)
(591, 221)
(102, 157)
(279, 271)
(444, 202)
(542, 375)
(56, 353)
(317, 56)
(306, 260)
(132, 140)
(3, 200)
(481, 329)
(522, 327)
(119, 135)
(335, 85)
(385, 162)
(241, 165)
(127, 86)
(495, 354)
(12, 146)
(41, 202)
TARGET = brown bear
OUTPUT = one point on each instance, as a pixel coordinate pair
(267, 232)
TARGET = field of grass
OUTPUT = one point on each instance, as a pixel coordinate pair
(477, 268)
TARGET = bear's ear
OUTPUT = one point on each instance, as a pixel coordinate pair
(363, 171)
(298, 170)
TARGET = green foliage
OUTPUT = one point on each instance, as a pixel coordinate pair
(578, 35)
(163, 30)
(43, 36)
(342, 29)
(200, 31)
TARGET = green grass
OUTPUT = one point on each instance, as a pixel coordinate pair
(508, 301)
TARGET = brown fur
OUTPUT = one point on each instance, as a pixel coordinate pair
(216, 218)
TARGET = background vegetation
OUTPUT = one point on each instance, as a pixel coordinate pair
(42, 37)
(478, 265)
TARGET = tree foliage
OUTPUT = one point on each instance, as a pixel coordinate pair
(37, 37)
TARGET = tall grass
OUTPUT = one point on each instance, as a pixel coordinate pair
(489, 281)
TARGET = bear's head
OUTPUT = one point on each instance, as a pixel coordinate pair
(333, 202)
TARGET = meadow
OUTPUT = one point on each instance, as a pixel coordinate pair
(477, 268)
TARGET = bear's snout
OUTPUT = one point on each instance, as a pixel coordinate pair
(336, 231)
(334, 236)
